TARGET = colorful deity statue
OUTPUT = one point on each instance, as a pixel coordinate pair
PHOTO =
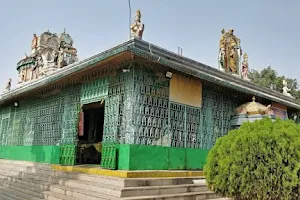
(245, 67)
(229, 52)
(137, 28)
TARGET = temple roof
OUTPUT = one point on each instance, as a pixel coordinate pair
(169, 59)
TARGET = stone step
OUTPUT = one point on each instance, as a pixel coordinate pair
(50, 195)
(162, 190)
(39, 174)
(181, 196)
(12, 168)
(3, 197)
(30, 183)
(81, 193)
(9, 193)
(17, 195)
(25, 163)
(107, 180)
(77, 176)
(115, 181)
(92, 187)
(132, 191)
(135, 182)
(51, 172)
(25, 191)
(140, 182)
(3, 194)
(4, 172)
(42, 177)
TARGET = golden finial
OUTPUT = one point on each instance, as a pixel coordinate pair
(253, 98)
(245, 55)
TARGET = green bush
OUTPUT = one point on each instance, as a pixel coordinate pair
(260, 160)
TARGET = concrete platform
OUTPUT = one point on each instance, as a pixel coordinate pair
(97, 170)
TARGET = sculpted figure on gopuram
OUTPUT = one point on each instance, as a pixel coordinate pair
(137, 28)
(229, 53)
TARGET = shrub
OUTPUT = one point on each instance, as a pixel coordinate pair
(260, 160)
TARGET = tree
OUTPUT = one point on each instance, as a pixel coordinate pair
(260, 160)
(269, 78)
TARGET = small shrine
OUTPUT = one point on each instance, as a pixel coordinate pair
(251, 111)
(49, 52)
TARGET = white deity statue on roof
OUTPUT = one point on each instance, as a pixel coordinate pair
(137, 28)
(285, 89)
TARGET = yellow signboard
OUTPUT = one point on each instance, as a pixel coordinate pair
(186, 90)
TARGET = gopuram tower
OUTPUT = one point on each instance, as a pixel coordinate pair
(49, 52)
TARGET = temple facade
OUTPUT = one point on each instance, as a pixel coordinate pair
(135, 106)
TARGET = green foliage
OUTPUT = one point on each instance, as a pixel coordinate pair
(269, 78)
(260, 160)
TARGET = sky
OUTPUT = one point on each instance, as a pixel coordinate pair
(269, 30)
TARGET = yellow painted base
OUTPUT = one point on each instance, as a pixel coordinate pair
(128, 174)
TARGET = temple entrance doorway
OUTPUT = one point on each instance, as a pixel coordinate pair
(91, 134)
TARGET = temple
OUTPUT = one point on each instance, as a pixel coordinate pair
(136, 106)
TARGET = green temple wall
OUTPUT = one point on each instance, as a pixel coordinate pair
(152, 132)
(39, 129)
(145, 157)
(44, 129)
(43, 154)
(140, 120)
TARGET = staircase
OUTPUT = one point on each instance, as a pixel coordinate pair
(31, 181)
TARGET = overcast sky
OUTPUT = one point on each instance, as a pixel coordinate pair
(269, 29)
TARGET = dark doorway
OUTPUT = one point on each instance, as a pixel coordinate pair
(90, 140)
